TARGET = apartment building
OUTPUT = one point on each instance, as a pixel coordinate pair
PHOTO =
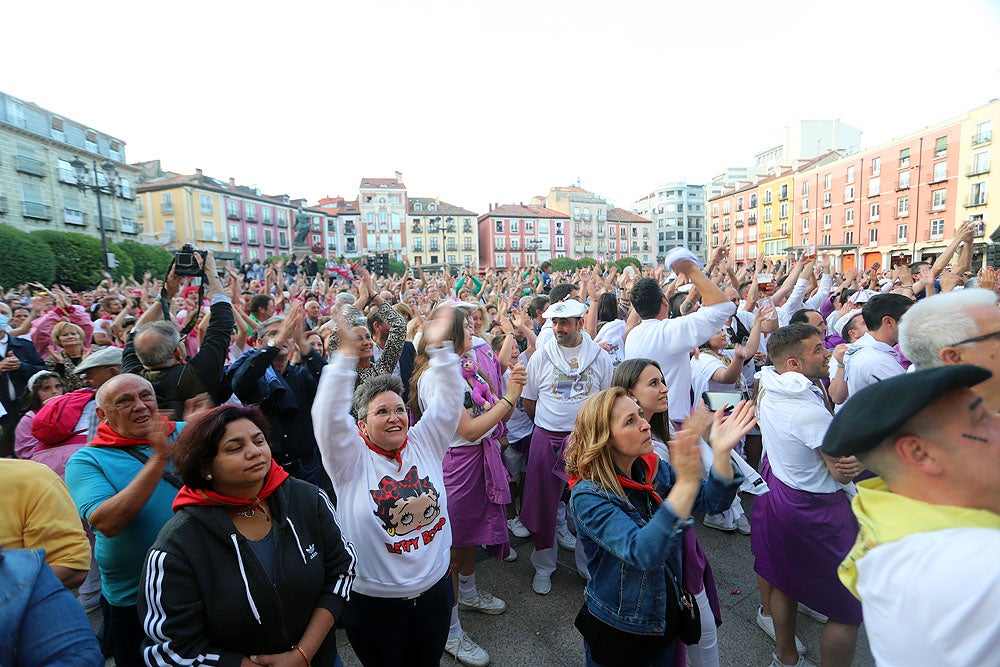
(677, 212)
(441, 233)
(514, 236)
(382, 207)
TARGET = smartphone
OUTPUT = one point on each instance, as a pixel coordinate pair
(717, 400)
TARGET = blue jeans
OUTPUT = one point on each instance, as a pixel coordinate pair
(41, 623)
(662, 660)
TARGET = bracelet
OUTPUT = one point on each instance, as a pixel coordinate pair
(302, 653)
(507, 400)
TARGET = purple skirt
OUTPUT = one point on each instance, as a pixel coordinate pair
(478, 488)
(798, 541)
(544, 482)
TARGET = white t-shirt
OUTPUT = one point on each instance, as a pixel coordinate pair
(519, 425)
(793, 420)
(669, 343)
(869, 361)
(932, 599)
(557, 396)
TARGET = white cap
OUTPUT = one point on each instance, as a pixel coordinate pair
(838, 328)
(565, 308)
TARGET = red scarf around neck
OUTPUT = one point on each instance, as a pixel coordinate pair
(396, 456)
(188, 496)
(106, 437)
(651, 463)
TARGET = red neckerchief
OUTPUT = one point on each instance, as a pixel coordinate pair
(651, 462)
(106, 437)
(188, 496)
(396, 456)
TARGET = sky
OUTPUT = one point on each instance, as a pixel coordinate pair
(479, 102)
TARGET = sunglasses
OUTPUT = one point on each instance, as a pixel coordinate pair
(978, 339)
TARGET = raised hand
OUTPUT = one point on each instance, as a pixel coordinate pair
(727, 431)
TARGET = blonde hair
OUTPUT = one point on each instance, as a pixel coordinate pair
(62, 327)
(589, 450)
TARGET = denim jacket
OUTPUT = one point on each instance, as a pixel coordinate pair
(628, 557)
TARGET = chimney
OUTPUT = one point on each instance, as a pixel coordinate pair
(232, 181)
(491, 207)
(399, 177)
(198, 172)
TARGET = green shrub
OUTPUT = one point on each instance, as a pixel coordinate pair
(24, 258)
(144, 258)
(78, 261)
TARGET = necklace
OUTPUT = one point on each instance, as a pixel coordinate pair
(251, 510)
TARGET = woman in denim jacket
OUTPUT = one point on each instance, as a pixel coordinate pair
(631, 511)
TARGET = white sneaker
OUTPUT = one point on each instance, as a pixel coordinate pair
(718, 522)
(517, 528)
(542, 584)
(511, 557)
(742, 525)
(467, 651)
(802, 662)
(766, 623)
(484, 603)
(812, 613)
(565, 539)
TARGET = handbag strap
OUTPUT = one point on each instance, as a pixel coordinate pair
(168, 476)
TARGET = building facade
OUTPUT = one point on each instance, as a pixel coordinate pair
(38, 185)
(382, 207)
(588, 215)
(628, 235)
(677, 212)
(343, 226)
(515, 236)
(441, 233)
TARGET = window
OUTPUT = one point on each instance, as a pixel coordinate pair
(543, 227)
(232, 210)
(828, 181)
(873, 236)
(283, 238)
(752, 235)
(32, 205)
(559, 242)
(901, 233)
(940, 172)
(805, 225)
(783, 213)
(265, 215)
(850, 174)
(752, 252)
(980, 163)
(417, 206)
(206, 204)
(468, 260)
(529, 226)
(876, 166)
(515, 260)
(269, 238)
(515, 244)
(902, 207)
(784, 191)
(849, 237)
(827, 220)
(767, 196)
(767, 215)
(170, 227)
(904, 158)
(874, 186)
(166, 203)
(940, 147)
(739, 204)
(383, 218)
(725, 206)
(208, 230)
(739, 236)
(234, 233)
(805, 187)
(873, 210)
(984, 133)
(394, 199)
(252, 235)
(514, 227)
(827, 200)
(418, 245)
(253, 255)
(753, 201)
(937, 228)
(977, 194)
(499, 260)
(715, 240)
(500, 243)
(499, 227)
(849, 193)
(715, 210)
(805, 204)
(938, 199)
(904, 180)
(739, 252)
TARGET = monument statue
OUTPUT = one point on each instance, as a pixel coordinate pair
(302, 221)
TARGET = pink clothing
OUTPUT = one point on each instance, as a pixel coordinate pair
(41, 330)
(27, 446)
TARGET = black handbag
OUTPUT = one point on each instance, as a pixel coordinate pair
(689, 617)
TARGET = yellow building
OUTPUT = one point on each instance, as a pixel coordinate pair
(439, 233)
(174, 210)
(775, 210)
(975, 151)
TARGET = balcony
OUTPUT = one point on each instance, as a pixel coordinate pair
(783, 196)
(129, 226)
(232, 214)
(251, 216)
(29, 165)
(417, 229)
(983, 138)
(978, 169)
(739, 223)
(900, 185)
(467, 228)
(32, 209)
(349, 228)
(559, 232)
(452, 247)
(266, 219)
(167, 208)
(351, 249)
(282, 221)
(975, 200)
(72, 216)
(110, 224)
(234, 238)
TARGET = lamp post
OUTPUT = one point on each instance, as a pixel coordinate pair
(110, 188)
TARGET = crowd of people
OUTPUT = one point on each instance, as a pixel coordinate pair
(230, 466)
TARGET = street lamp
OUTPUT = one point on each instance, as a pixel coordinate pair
(110, 188)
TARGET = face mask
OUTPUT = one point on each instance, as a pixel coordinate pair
(4, 321)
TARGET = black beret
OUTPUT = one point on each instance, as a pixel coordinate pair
(879, 410)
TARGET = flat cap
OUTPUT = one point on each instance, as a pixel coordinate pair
(565, 308)
(879, 410)
(109, 356)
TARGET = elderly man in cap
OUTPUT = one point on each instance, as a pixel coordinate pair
(925, 562)
(958, 327)
(567, 369)
(670, 341)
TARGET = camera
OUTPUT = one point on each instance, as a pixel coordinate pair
(185, 264)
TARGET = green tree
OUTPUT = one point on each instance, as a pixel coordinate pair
(145, 258)
(396, 268)
(78, 260)
(625, 261)
(563, 264)
(585, 262)
(25, 258)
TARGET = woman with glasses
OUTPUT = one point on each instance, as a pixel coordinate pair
(391, 498)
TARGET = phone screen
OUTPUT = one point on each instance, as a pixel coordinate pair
(716, 400)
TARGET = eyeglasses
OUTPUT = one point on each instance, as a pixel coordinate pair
(384, 413)
(977, 339)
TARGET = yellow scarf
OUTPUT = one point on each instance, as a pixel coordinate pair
(884, 517)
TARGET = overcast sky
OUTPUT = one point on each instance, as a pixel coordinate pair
(481, 102)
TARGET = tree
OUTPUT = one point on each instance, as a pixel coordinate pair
(563, 264)
(396, 268)
(145, 258)
(78, 259)
(586, 262)
(26, 258)
(625, 261)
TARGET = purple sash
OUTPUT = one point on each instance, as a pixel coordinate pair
(478, 488)
(544, 482)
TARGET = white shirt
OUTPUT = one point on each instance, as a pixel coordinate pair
(793, 420)
(932, 599)
(869, 361)
(669, 343)
(558, 397)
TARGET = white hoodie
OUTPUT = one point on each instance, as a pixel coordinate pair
(793, 420)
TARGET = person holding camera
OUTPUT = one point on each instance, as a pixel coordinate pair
(155, 349)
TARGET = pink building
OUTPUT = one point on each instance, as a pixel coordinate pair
(514, 236)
